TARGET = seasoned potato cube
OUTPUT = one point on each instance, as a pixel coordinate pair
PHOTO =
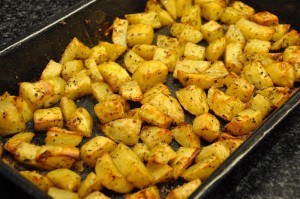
(252, 30)
(213, 10)
(161, 153)
(125, 130)
(193, 99)
(280, 31)
(181, 6)
(281, 73)
(168, 105)
(132, 61)
(68, 107)
(234, 34)
(190, 66)
(186, 32)
(57, 193)
(131, 91)
(12, 143)
(150, 73)
(244, 122)
(262, 104)
(119, 33)
(142, 151)
(289, 39)
(212, 30)
(184, 135)
(154, 116)
(184, 158)
(113, 74)
(58, 136)
(94, 148)
(231, 15)
(207, 126)
(56, 156)
(167, 56)
(153, 135)
(140, 34)
(150, 18)
(15, 112)
(81, 121)
(256, 74)
(41, 181)
(292, 55)
(146, 51)
(264, 18)
(43, 93)
(157, 88)
(110, 109)
(71, 68)
(223, 105)
(240, 88)
(171, 43)
(193, 51)
(78, 85)
(170, 6)
(160, 172)
(59, 177)
(231, 142)
(215, 49)
(75, 50)
(131, 167)
(52, 69)
(110, 176)
(114, 51)
(277, 95)
(99, 54)
(44, 119)
(164, 16)
(217, 149)
(185, 190)
(96, 195)
(192, 16)
(101, 91)
(231, 57)
(243, 8)
(26, 153)
(257, 46)
(149, 192)
(90, 184)
(92, 70)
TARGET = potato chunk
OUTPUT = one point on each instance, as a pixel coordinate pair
(44, 119)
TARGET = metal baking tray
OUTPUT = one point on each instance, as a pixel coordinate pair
(25, 59)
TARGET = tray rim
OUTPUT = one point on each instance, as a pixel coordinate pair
(273, 120)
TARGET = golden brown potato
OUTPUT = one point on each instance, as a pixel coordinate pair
(142, 151)
(192, 16)
(185, 190)
(264, 18)
(234, 34)
(231, 142)
(132, 61)
(157, 88)
(101, 91)
(94, 148)
(240, 88)
(184, 158)
(215, 49)
(150, 18)
(149, 192)
(78, 86)
(231, 57)
(185, 136)
(90, 184)
(257, 46)
(125, 130)
(262, 104)
(190, 66)
(113, 74)
(170, 6)
(212, 30)
(100, 54)
(44, 119)
(65, 179)
(13, 142)
(75, 50)
(150, 73)
(92, 70)
(52, 69)
(58, 136)
(171, 43)
(26, 153)
(81, 121)
(213, 10)
(41, 181)
(167, 56)
(244, 122)
(146, 51)
(71, 68)
(160, 172)
(154, 116)
(57, 193)
(152, 135)
(186, 32)
(193, 51)
(131, 91)
(68, 107)
(193, 99)
(277, 95)
(223, 105)
(114, 51)
(140, 34)
(161, 153)
(131, 167)
(96, 195)
(119, 33)
(207, 126)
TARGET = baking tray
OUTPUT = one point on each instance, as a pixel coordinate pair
(25, 59)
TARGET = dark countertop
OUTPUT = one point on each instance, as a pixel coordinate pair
(272, 169)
